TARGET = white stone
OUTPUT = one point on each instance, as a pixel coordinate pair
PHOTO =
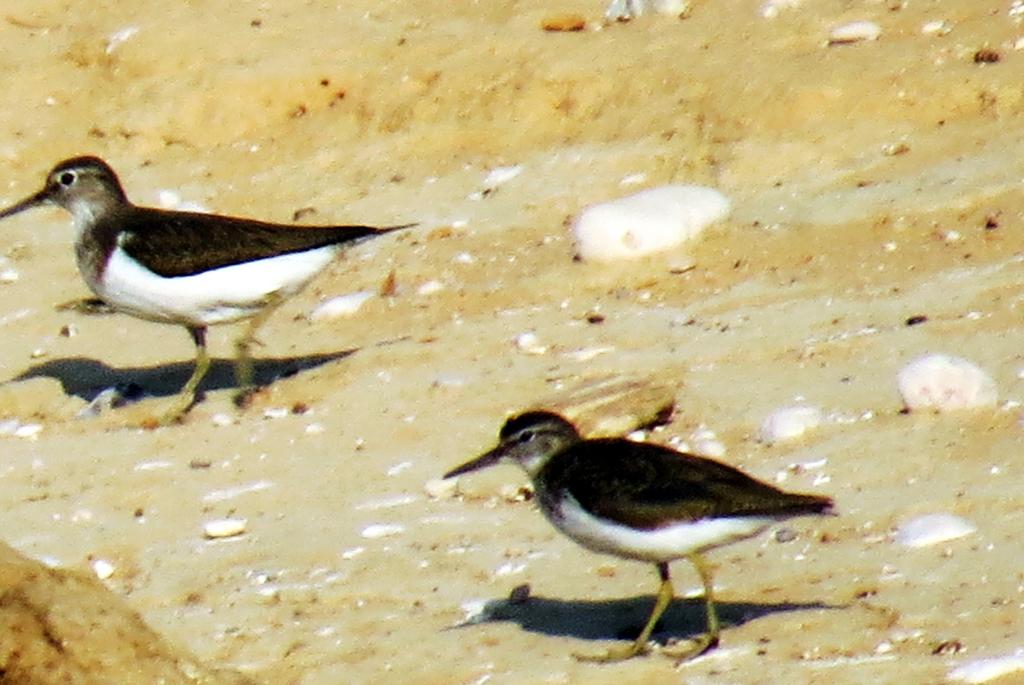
(647, 222)
(342, 305)
(945, 383)
(224, 528)
(931, 529)
(382, 530)
(854, 32)
(789, 423)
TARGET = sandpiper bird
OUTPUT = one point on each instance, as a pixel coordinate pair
(186, 268)
(641, 501)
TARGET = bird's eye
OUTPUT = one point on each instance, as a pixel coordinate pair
(67, 178)
(527, 436)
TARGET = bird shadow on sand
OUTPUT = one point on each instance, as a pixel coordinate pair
(622, 619)
(86, 378)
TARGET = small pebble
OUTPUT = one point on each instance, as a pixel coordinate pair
(932, 529)
(342, 305)
(430, 287)
(102, 568)
(382, 530)
(854, 32)
(224, 528)
(771, 8)
(945, 383)
(220, 419)
(789, 423)
(936, 28)
(275, 412)
(647, 222)
(567, 22)
(530, 343)
(501, 175)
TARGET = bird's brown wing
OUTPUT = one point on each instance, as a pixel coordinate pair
(187, 243)
(647, 486)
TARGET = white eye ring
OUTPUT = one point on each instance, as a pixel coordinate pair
(67, 178)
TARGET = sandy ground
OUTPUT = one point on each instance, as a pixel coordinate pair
(871, 182)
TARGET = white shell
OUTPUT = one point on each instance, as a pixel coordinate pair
(932, 529)
(647, 222)
(945, 383)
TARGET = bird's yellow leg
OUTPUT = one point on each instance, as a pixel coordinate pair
(639, 646)
(244, 368)
(186, 398)
(708, 640)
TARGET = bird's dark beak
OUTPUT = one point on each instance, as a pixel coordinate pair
(483, 461)
(40, 198)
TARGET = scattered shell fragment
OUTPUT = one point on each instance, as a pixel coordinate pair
(585, 354)
(224, 528)
(529, 342)
(381, 530)
(936, 28)
(771, 8)
(647, 222)
(441, 488)
(789, 423)
(224, 494)
(501, 175)
(430, 287)
(626, 10)
(854, 32)
(121, 36)
(342, 305)
(984, 670)
(932, 529)
(945, 383)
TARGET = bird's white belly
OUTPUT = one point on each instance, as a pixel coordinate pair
(673, 541)
(216, 296)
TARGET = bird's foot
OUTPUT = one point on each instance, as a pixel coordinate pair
(703, 645)
(243, 397)
(176, 414)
